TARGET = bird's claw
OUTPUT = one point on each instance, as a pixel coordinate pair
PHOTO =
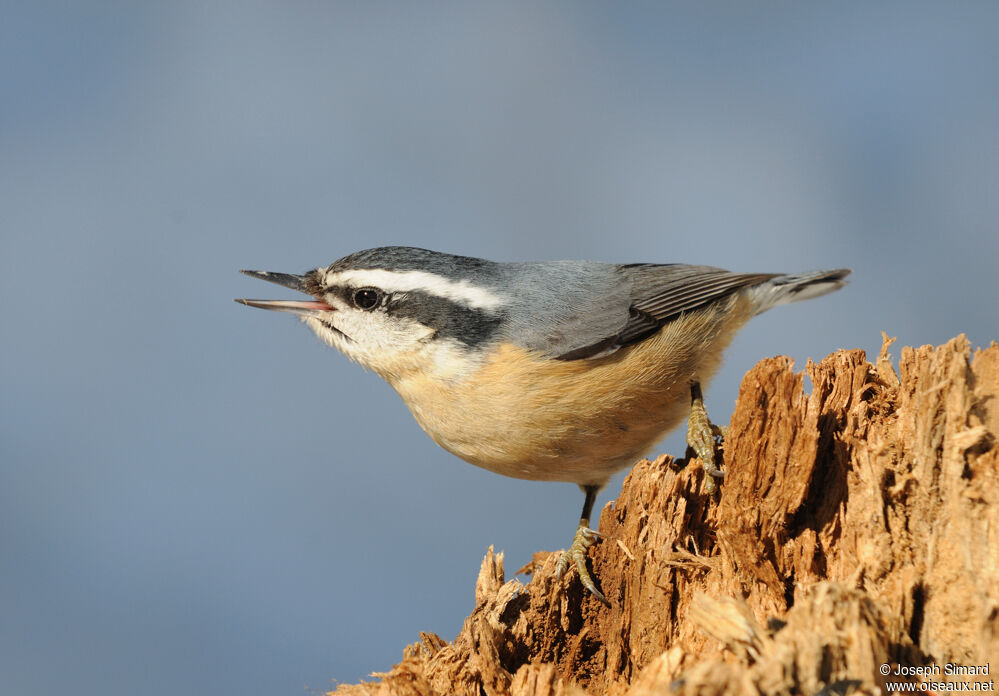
(701, 433)
(581, 543)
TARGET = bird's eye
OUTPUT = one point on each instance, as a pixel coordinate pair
(367, 298)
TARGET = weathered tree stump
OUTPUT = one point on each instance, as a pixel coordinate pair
(857, 528)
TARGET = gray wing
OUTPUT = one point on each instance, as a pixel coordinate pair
(656, 295)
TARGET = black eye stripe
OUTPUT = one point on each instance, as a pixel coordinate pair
(449, 319)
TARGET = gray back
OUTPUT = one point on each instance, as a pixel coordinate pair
(563, 309)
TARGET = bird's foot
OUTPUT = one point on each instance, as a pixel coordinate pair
(701, 433)
(581, 543)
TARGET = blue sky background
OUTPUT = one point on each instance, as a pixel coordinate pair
(196, 497)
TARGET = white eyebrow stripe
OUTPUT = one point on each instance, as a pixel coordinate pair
(461, 291)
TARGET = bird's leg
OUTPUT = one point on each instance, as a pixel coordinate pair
(584, 539)
(701, 437)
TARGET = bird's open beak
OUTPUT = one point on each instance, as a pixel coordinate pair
(295, 282)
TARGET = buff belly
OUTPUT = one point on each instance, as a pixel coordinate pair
(523, 415)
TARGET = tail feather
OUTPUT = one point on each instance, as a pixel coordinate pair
(795, 287)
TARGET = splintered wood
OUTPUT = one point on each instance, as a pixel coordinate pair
(857, 530)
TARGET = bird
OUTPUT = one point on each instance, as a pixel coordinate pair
(549, 371)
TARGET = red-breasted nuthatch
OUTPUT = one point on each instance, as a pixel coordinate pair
(556, 371)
